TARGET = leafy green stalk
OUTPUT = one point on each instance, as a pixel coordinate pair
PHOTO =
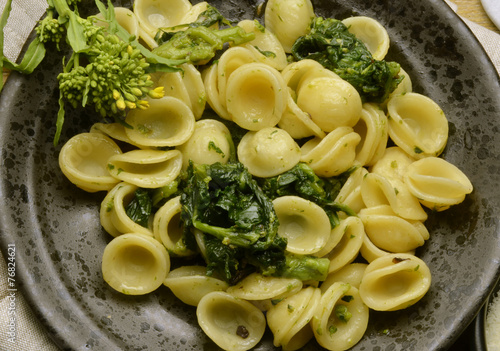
(330, 43)
(198, 43)
(302, 181)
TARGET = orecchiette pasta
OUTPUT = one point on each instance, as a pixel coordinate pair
(371, 33)
(257, 287)
(390, 232)
(146, 168)
(341, 318)
(291, 315)
(266, 48)
(190, 283)
(83, 160)
(288, 20)
(350, 274)
(268, 152)
(350, 193)
(113, 214)
(153, 15)
(373, 129)
(210, 143)
(166, 122)
(256, 96)
(135, 264)
(232, 323)
(417, 125)
(168, 228)
(377, 190)
(331, 102)
(437, 183)
(394, 281)
(333, 154)
(303, 223)
(348, 234)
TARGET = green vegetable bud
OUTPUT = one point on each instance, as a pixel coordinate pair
(116, 94)
(129, 97)
(120, 104)
(130, 105)
(137, 92)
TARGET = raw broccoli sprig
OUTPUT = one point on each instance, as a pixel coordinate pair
(50, 30)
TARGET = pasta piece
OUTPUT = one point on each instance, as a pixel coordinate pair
(166, 122)
(417, 125)
(294, 73)
(378, 190)
(209, 76)
(256, 96)
(233, 324)
(371, 252)
(195, 88)
(194, 12)
(350, 193)
(135, 264)
(146, 168)
(393, 164)
(390, 232)
(268, 152)
(173, 86)
(168, 228)
(331, 102)
(341, 319)
(393, 282)
(288, 20)
(115, 131)
(350, 231)
(437, 183)
(232, 59)
(304, 224)
(371, 33)
(373, 130)
(83, 160)
(266, 48)
(296, 122)
(153, 15)
(290, 316)
(350, 274)
(113, 214)
(257, 287)
(190, 283)
(210, 143)
(333, 154)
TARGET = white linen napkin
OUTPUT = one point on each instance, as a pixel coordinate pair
(29, 334)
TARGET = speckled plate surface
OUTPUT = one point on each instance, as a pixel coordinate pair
(59, 241)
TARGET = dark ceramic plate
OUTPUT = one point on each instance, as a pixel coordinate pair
(59, 241)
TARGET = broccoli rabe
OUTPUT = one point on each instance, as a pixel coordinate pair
(330, 43)
(302, 181)
(199, 42)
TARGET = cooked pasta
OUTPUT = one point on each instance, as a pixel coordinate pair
(268, 152)
(299, 131)
(288, 20)
(394, 281)
(190, 283)
(83, 160)
(135, 264)
(232, 323)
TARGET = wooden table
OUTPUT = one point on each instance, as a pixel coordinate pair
(470, 9)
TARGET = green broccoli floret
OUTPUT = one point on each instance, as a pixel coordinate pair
(50, 30)
(330, 43)
(199, 43)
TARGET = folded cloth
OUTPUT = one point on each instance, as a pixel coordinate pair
(29, 334)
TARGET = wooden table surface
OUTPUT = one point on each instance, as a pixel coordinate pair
(470, 9)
